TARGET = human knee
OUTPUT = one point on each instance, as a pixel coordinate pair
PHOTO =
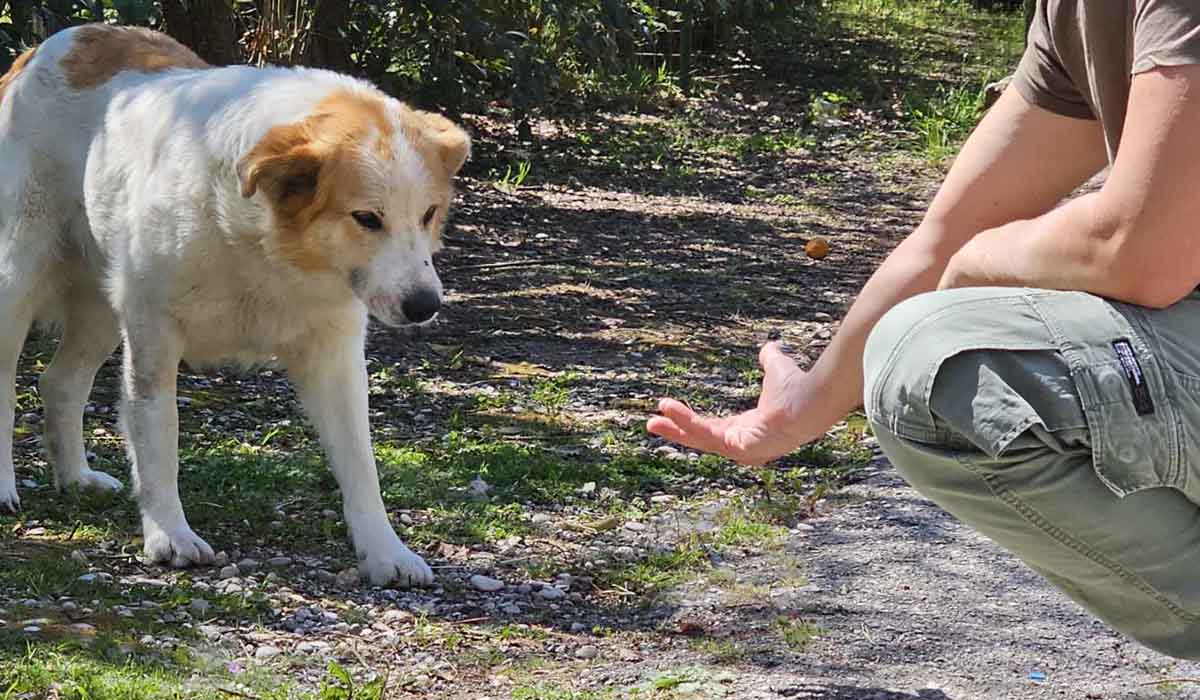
(898, 361)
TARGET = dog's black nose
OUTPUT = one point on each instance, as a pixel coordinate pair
(420, 306)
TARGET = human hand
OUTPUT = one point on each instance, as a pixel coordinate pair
(755, 437)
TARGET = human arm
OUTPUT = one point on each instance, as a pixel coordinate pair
(1135, 239)
(1018, 163)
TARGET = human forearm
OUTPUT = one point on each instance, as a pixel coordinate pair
(1084, 245)
(913, 267)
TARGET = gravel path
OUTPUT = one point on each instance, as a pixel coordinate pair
(919, 606)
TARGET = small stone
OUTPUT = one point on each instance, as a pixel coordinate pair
(392, 617)
(587, 489)
(267, 652)
(542, 518)
(88, 578)
(486, 583)
(329, 616)
(348, 578)
(662, 498)
(313, 647)
(577, 627)
(525, 589)
(199, 606)
(635, 526)
(405, 518)
(31, 629)
(587, 652)
(324, 576)
(329, 514)
(210, 631)
(79, 557)
(29, 483)
(279, 562)
(248, 565)
(511, 609)
(82, 629)
(221, 559)
(229, 571)
(552, 593)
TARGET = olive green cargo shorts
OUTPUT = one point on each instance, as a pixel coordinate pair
(1066, 428)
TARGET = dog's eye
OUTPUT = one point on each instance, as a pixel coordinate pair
(425, 220)
(368, 220)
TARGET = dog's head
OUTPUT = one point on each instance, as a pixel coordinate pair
(360, 189)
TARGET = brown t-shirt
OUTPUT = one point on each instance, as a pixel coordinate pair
(1082, 54)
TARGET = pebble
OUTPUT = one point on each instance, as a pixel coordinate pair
(577, 627)
(313, 647)
(31, 629)
(486, 583)
(405, 518)
(279, 561)
(221, 559)
(324, 576)
(329, 514)
(552, 593)
(82, 629)
(248, 565)
(348, 578)
(267, 652)
(662, 498)
(229, 571)
(210, 631)
(79, 557)
(199, 606)
(587, 652)
(635, 526)
(542, 518)
(396, 616)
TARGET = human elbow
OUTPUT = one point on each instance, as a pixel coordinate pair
(1143, 277)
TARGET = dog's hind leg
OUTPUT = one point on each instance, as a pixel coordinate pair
(90, 335)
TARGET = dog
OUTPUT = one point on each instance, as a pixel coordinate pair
(211, 216)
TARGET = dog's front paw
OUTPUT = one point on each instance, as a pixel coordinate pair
(177, 546)
(9, 499)
(394, 564)
(91, 479)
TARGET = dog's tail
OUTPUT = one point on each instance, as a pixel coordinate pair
(14, 71)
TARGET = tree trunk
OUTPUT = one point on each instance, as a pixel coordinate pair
(327, 45)
(21, 14)
(204, 26)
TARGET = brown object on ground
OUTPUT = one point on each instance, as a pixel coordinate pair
(816, 248)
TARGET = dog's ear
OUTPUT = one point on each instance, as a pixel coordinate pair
(453, 145)
(284, 164)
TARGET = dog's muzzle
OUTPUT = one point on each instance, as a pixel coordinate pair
(416, 308)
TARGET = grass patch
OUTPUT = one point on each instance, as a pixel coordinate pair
(944, 119)
(797, 634)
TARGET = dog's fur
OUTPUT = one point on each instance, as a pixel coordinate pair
(211, 215)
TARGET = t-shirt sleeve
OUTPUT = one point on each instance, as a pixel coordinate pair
(1040, 76)
(1165, 33)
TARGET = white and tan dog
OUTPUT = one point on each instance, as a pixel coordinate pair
(211, 215)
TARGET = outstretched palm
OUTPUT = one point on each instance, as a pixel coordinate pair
(754, 437)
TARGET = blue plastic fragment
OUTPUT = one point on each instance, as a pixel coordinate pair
(1037, 676)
